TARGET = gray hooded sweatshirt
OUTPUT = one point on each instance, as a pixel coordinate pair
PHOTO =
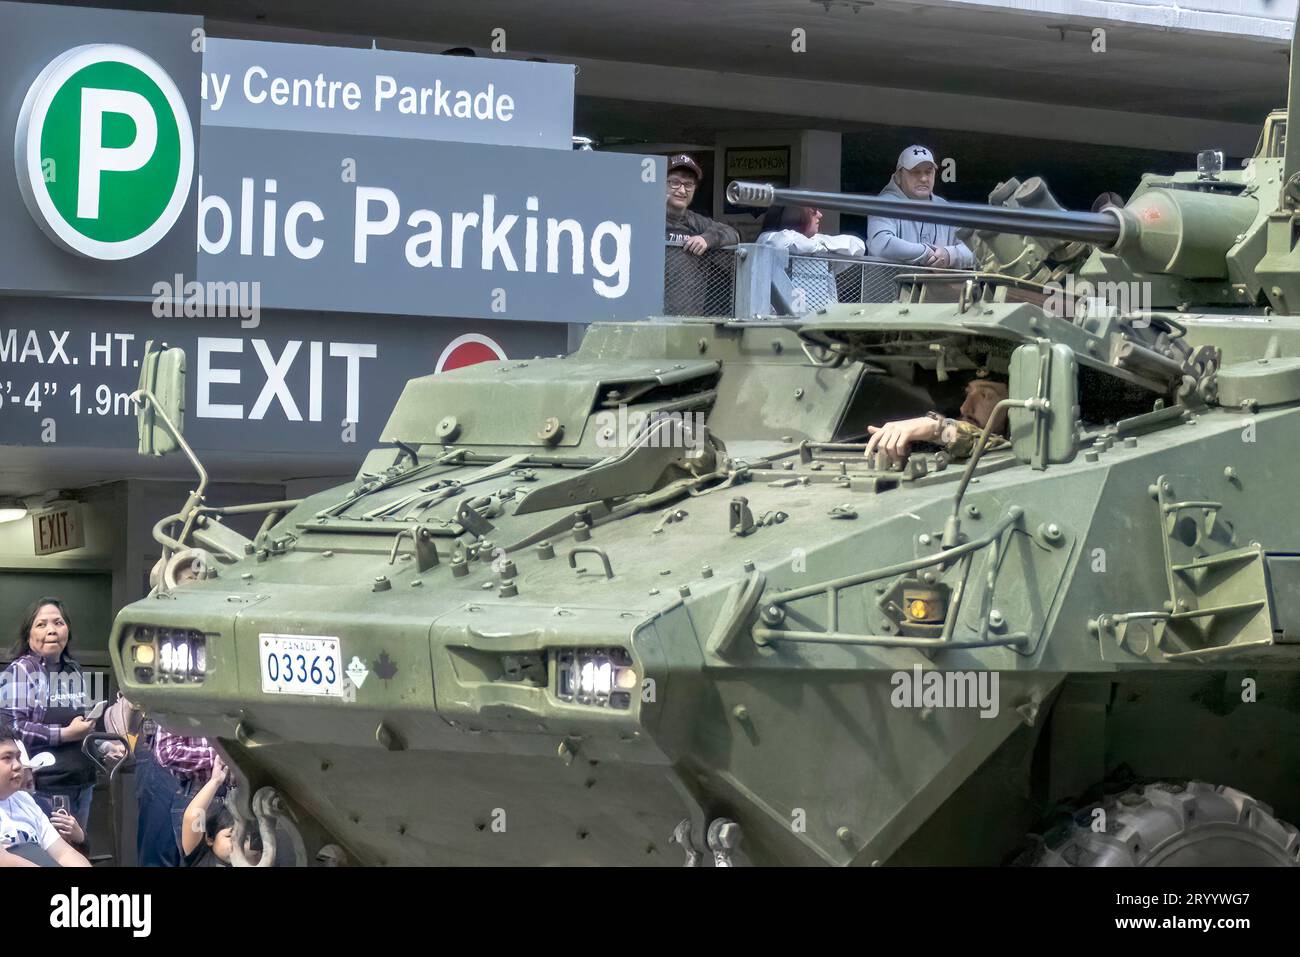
(904, 240)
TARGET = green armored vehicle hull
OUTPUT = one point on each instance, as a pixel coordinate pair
(762, 617)
(652, 604)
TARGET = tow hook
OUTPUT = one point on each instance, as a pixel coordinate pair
(724, 838)
(682, 836)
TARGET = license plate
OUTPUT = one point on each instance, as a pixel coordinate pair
(301, 664)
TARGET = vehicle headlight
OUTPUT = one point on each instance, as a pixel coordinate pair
(596, 676)
(167, 654)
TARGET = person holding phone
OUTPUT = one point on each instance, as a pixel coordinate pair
(55, 808)
(28, 838)
(68, 827)
(44, 702)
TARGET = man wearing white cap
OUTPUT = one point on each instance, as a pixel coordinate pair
(911, 241)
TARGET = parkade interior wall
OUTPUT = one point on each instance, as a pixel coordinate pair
(112, 568)
(1077, 172)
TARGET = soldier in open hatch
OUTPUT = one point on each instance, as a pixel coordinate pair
(956, 436)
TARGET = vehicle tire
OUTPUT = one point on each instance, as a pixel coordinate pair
(1171, 824)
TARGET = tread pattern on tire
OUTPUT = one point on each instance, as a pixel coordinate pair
(1145, 822)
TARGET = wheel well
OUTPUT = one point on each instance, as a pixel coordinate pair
(1104, 733)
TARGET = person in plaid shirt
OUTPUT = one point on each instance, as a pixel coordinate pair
(43, 701)
(25, 703)
(187, 758)
(167, 780)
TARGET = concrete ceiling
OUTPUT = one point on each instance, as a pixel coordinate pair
(979, 49)
(30, 470)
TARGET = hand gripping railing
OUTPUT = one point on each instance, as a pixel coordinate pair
(774, 611)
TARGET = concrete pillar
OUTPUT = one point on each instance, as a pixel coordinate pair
(819, 168)
(814, 163)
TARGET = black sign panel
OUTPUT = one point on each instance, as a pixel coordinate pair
(297, 382)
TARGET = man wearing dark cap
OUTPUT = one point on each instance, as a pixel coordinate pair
(696, 233)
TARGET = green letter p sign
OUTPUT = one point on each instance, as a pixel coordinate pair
(104, 151)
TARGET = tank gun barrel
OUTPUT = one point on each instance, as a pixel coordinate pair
(1100, 229)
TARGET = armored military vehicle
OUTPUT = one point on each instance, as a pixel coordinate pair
(650, 603)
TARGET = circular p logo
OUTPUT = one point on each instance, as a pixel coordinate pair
(104, 151)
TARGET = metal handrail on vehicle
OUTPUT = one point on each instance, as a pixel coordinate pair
(187, 513)
(774, 608)
(194, 507)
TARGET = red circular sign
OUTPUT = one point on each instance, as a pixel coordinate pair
(468, 350)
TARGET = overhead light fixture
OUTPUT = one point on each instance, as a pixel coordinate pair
(11, 509)
(1064, 28)
(854, 5)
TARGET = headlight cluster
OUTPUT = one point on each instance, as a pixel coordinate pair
(167, 654)
(603, 677)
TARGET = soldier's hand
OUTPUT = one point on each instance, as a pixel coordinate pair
(696, 245)
(894, 439)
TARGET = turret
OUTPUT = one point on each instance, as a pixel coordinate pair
(1211, 238)
(1030, 258)
(1097, 228)
(1176, 229)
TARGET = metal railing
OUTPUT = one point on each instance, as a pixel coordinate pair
(703, 285)
(750, 280)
